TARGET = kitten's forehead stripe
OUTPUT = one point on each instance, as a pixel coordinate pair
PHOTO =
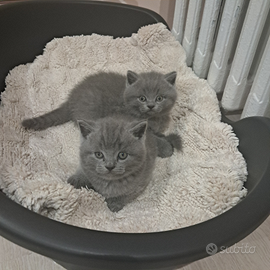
(152, 84)
(112, 135)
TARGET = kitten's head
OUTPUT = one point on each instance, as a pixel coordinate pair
(150, 94)
(112, 148)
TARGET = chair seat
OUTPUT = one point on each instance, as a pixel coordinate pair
(25, 28)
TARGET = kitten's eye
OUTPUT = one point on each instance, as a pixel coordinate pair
(142, 98)
(99, 155)
(159, 98)
(122, 155)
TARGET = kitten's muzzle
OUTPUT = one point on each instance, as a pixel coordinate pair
(110, 167)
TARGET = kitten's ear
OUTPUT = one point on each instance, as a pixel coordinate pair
(86, 127)
(132, 77)
(170, 77)
(138, 130)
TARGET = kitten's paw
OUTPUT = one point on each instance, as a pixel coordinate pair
(31, 123)
(76, 181)
(114, 205)
(165, 150)
(175, 140)
(168, 144)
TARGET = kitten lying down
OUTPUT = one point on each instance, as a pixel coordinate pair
(121, 119)
(149, 95)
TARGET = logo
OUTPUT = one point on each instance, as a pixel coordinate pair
(211, 249)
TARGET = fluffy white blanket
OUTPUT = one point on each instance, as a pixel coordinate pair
(201, 182)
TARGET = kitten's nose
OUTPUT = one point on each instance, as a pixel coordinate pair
(110, 168)
(151, 106)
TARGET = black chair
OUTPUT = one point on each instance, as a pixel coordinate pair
(25, 28)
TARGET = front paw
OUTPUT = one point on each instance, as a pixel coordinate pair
(114, 204)
(76, 181)
(165, 150)
(175, 140)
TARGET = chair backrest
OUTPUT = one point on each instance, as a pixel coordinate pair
(21, 40)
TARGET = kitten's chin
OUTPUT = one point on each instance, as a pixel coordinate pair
(151, 112)
(148, 113)
(156, 111)
(111, 176)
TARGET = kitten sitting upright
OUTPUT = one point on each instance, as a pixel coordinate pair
(149, 95)
(117, 157)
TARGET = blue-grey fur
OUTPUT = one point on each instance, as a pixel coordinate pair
(117, 159)
(107, 106)
(149, 95)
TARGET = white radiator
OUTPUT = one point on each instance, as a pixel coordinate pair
(228, 43)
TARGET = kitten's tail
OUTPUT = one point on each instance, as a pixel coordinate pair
(56, 117)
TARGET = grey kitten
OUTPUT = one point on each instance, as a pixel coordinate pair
(117, 158)
(149, 95)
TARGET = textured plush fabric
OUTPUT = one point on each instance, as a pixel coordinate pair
(197, 184)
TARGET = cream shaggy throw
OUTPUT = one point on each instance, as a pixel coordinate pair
(192, 186)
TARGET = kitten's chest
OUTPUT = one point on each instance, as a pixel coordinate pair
(116, 188)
